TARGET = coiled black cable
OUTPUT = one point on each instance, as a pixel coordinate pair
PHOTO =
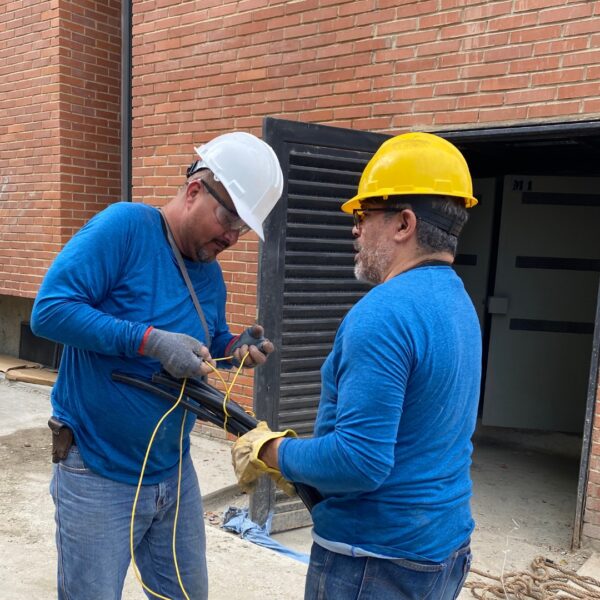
(206, 402)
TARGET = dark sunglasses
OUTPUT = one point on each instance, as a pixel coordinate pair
(358, 214)
(227, 218)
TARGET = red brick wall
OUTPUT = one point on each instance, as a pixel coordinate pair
(205, 67)
(201, 68)
(90, 97)
(591, 517)
(29, 143)
(59, 128)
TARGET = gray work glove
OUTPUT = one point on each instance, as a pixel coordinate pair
(251, 340)
(181, 355)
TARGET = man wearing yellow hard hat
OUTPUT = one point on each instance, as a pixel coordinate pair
(392, 444)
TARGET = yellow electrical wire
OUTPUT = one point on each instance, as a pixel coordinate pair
(179, 497)
(228, 389)
(137, 493)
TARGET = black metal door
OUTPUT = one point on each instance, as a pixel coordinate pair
(306, 280)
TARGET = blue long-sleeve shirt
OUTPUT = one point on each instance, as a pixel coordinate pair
(113, 279)
(391, 450)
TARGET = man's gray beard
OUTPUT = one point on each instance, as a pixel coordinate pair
(202, 257)
(365, 275)
(371, 268)
(360, 272)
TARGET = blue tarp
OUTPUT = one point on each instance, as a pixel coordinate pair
(236, 520)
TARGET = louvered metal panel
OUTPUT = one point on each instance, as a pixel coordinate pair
(306, 279)
(339, 297)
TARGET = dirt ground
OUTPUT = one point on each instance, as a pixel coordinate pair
(524, 503)
(237, 568)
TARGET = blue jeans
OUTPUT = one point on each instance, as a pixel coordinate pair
(333, 576)
(93, 516)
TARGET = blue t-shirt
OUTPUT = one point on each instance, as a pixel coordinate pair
(391, 451)
(113, 279)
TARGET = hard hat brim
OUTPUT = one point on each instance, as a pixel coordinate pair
(355, 202)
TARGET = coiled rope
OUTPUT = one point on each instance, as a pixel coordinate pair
(545, 580)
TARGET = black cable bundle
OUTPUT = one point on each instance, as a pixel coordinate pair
(206, 402)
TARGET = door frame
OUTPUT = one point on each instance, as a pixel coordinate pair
(588, 428)
(549, 134)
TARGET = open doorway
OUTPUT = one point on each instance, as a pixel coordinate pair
(530, 259)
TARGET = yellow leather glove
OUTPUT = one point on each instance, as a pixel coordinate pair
(246, 464)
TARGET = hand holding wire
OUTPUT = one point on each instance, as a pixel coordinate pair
(181, 355)
(253, 343)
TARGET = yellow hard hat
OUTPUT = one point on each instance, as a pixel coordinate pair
(415, 164)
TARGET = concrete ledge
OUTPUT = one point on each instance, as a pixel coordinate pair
(219, 497)
(591, 567)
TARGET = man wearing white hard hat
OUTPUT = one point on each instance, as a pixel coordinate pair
(138, 290)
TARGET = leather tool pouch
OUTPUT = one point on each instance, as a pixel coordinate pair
(62, 439)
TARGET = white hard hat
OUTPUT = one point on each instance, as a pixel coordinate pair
(250, 172)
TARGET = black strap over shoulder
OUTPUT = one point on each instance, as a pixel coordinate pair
(186, 277)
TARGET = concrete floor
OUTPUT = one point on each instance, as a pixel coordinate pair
(524, 503)
(236, 567)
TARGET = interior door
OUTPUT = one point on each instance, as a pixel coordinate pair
(472, 262)
(543, 305)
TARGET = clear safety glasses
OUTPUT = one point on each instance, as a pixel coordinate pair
(228, 219)
(358, 214)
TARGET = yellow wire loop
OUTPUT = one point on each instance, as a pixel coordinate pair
(137, 493)
(178, 499)
(228, 389)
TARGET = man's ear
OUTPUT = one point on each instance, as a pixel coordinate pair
(195, 185)
(406, 225)
(193, 188)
